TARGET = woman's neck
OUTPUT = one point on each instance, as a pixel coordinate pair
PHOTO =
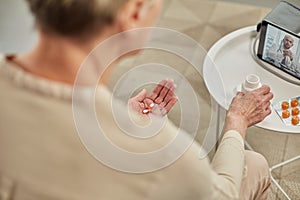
(55, 58)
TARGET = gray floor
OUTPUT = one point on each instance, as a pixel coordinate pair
(206, 21)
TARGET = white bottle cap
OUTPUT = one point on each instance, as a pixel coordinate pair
(252, 82)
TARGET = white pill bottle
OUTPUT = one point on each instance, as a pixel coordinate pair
(252, 82)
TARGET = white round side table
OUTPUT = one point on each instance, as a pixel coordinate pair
(227, 64)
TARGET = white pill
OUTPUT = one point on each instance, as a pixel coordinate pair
(152, 105)
(146, 111)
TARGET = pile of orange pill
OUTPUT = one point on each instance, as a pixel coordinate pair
(291, 109)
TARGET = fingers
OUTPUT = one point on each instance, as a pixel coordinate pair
(264, 96)
(148, 103)
(157, 89)
(142, 105)
(266, 106)
(162, 98)
(162, 110)
(259, 116)
(136, 103)
(268, 97)
(164, 107)
(142, 95)
(163, 92)
(169, 95)
(250, 108)
(263, 90)
(170, 104)
(160, 101)
(238, 96)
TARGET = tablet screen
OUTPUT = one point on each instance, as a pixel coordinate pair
(280, 48)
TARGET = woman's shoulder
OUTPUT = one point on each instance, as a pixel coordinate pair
(19, 78)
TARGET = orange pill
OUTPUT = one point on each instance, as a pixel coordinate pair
(295, 111)
(285, 105)
(286, 114)
(295, 120)
(294, 103)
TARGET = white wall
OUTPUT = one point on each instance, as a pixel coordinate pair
(16, 27)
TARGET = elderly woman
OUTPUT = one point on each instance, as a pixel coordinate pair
(41, 156)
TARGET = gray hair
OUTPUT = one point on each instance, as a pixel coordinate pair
(74, 17)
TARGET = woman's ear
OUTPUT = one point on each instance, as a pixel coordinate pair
(131, 14)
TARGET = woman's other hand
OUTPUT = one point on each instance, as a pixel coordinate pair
(159, 102)
(248, 109)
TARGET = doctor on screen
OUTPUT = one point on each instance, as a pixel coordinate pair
(281, 54)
